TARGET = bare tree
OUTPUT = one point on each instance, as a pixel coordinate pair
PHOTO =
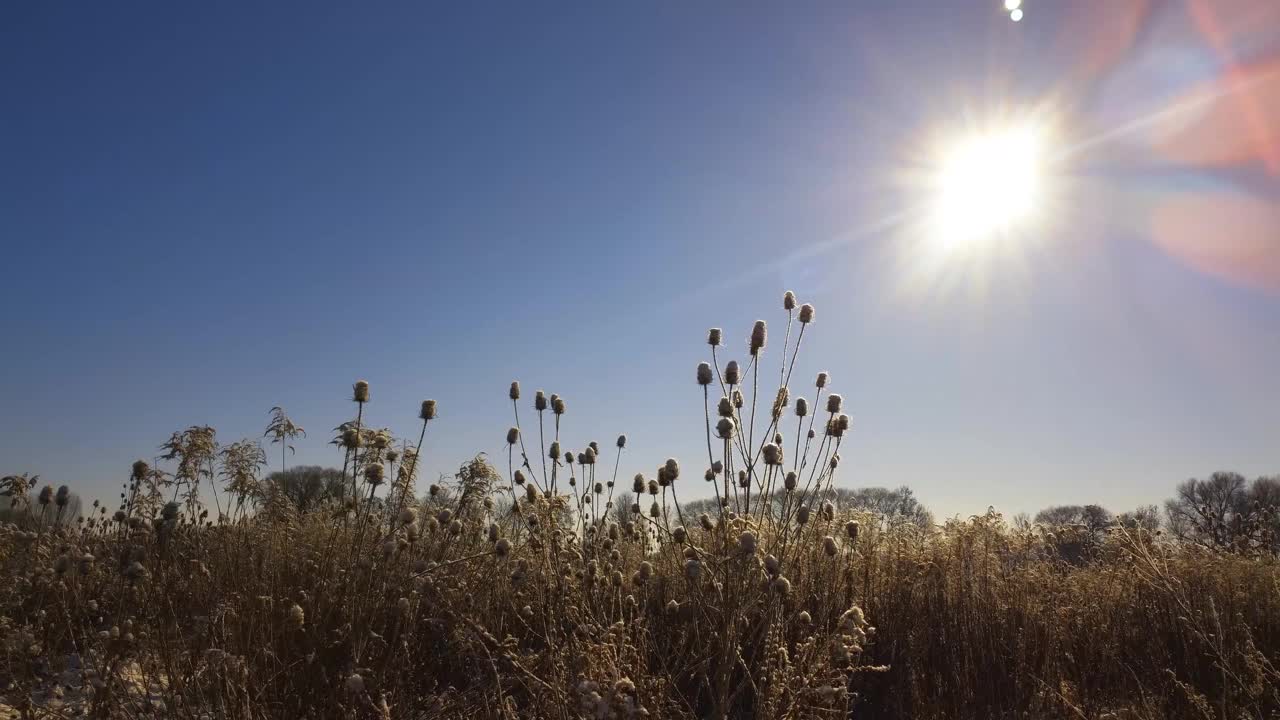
(1226, 512)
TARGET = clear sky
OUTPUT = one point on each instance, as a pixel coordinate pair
(207, 210)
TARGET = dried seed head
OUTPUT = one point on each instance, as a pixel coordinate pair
(833, 403)
(788, 300)
(140, 469)
(170, 511)
(717, 467)
(789, 482)
(354, 684)
(373, 474)
(408, 515)
(835, 461)
(513, 436)
(502, 547)
(705, 521)
(822, 380)
(557, 405)
(725, 428)
(705, 376)
(296, 615)
(46, 495)
(772, 454)
(779, 403)
(679, 534)
(673, 607)
(653, 487)
(757, 337)
(851, 529)
(646, 569)
(737, 399)
(806, 313)
(588, 457)
(531, 493)
(842, 423)
(771, 565)
(709, 475)
(428, 410)
(598, 488)
(63, 496)
(654, 510)
(518, 477)
(360, 391)
(724, 408)
(747, 542)
(781, 585)
(514, 393)
(829, 546)
(672, 466)
(802, 407)
(828, 511)
(539, 401)
(743, 479)
(802, 515)
(732, 374)
(692, 569)
(455, 527)
(714, 337)
(805, 618)
(638, 484)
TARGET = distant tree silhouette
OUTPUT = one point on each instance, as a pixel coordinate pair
(1093, 518)
(1226, 512)
(306, 487)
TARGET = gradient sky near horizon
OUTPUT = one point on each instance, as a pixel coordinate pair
(207, 210)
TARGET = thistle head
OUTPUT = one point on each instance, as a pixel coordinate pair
(653, 487)
(557, 405)
(724, 408)
(360, 391)
(554, 452)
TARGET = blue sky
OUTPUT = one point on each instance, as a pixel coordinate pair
(207, 211)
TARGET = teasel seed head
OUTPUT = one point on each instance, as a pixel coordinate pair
(789, 482)
(717, 467)
(772, 454)
(747, 542)
(653, 487)
(805, 618)
(568, 458)
(532, 493)
(63, 496)
(374, 474)
(758, 335)
(513, 436)
(679, 534)
(705, 376)
(428, 410)
(732, 373)
(354, 684)
(810, 434)
(557, 405)
(622, 441)
(829, 546)
(781, 585)
(638, 484)
(835, 461)
(539, 401)
(554, 452)
(842, 423)
(692, 569)
(802, 515)
(725, 428)
(822, 379)
(771, 565)
(709, 476)
(780, 403)
(724, 408)
(296, 615)
(705, 521)
(46, 495)
(408, 515)
(514, 392)
(140, 469)
(598, 488)
(834, 402)
(518, 478)
(788, 300)
(654, 510)
(434, 489)
(738, 400)
(743, 479)
(802, 407)
(588, 456)
(714, 337)
(170, 511)
(360, 391)
(806, 313)
(851, 529)
(502, 547)
(828, 511)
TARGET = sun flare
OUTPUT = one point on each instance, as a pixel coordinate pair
(987, 185)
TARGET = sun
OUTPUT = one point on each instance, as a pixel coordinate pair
(987, 185)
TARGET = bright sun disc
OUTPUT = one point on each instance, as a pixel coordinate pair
(988, 185)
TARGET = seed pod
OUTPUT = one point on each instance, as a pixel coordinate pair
(679, 534)
(842, 423)
(513, 436)
(737, 399)
(140, 469)
(802, 515)
(779, 403)
(539, 401)
(771, 565)
(833, 403)
(514, 393)
(518, 477)
(829, 546)
(714, 337)
(705, 375)
(828, 511)
(502, 547)
(788, 300)
(802, 407)
(428, 410)
(781, 585)
(588, 457)
(654, 510)
(725, 428)
(297, 616)
(806, 313)
(568, 457)
(822, 380)
(772, 454)
(638, 484)
(790, 481)
(717, 467)
(599, 488)
(646, 569)
(63, 496)
(557, 406)
(724, 408)
(757, 337)
(692, 569)
(360, 391)
(653, 487)
(408, 515)
(805, 618)
(705, 521)
(835, 461)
